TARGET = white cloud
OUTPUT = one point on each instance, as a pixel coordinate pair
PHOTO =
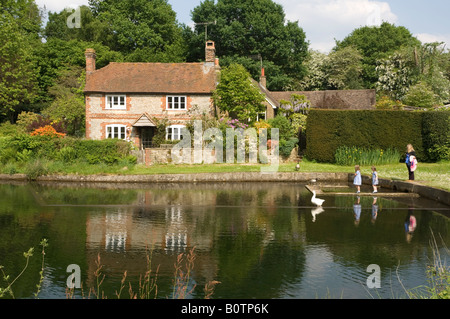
(326, 20)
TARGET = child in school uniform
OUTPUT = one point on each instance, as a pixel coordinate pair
(357, 181)
(374, 179)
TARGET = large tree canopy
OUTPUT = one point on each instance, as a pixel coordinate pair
(149, 27)
(18, 72)
(254, 30)
(375, 43)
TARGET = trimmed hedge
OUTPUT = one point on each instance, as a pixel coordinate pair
(24, 147)
(327, 130)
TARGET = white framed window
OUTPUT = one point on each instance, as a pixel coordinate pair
(116, 102)
(116, 131)
(175, 102)
(173, 132)
(261, 116)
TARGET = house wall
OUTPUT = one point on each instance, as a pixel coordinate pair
(98, 117)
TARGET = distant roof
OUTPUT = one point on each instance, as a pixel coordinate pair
(169, 78)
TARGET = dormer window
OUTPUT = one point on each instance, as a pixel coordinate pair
(176, 102)
(116, 102)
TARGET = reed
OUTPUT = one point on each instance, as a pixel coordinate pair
(347, 156)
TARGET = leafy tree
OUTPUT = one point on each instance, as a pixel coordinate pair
(410, 65)
(56, 56)
(92, 29)
(254, 30)
(26, 13)
(237, 95)
(344, 69)
(316, 77)
(18, 83)
(339, 70)
(68, 106)
(376, 43)
(396, 74)
(148, 26)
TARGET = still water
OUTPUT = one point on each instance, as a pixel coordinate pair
(259, 240)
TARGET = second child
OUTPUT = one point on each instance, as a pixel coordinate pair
(357, 181)
(374, 179)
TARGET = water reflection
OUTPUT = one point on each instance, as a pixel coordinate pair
(357, 210)
(260, 240)
(374, 210)
(410, 224)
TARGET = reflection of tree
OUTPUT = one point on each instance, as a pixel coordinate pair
(258, 252)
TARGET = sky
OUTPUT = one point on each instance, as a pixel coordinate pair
(325, 21)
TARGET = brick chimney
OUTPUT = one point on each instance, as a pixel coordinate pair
(90, 61)
(262, 79)
(210, 51)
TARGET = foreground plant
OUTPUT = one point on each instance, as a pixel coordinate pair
(8, 289)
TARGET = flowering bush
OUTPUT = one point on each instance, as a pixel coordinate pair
(48, 131)
(233, 123)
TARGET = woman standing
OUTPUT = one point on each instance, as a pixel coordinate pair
(410, 156)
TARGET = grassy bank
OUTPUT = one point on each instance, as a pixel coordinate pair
(435, 175)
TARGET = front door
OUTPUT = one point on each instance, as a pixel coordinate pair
(147, 136)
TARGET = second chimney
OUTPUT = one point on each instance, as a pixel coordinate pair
(90, 61)
(262, 79)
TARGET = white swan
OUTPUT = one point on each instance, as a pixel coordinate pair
(315, 200)
(316, 211)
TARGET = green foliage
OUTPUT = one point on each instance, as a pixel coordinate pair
(286, 131)
(147, 26)
(349, 156)
(286, 147)
(18, 83)
(436, 132)
(160, 132)
(327, 130)
(253, 28)
(36, 168)
(68, 105)
(237, 95)
(33, 151)
(376, 43)
(421, 95)
(344, 69)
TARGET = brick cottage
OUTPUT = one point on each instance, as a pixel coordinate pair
(122, 99)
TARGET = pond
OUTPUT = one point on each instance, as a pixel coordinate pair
(259, 240)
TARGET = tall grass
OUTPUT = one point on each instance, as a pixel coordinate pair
(346, 156)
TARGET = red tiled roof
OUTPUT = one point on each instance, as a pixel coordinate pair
(170, 78)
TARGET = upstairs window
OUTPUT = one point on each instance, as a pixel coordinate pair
(116, 102)
(116, 131)
(176, 103)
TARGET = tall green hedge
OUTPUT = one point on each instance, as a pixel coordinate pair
(374, 129)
